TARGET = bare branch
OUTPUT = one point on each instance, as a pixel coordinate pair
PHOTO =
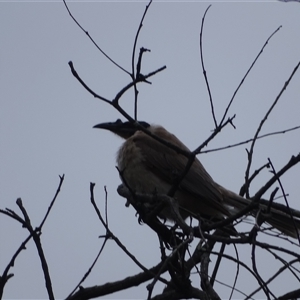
(217, 265)
(35, 234)
(204, 70)
(86, 32)
(293, 161)
(236, 274)
(165, 264)
(133, 75)
(52, 202)
(37, 241)
(250, 152)
(89, 270)
(286, 266)
(243, 79)
(250, 140)
(261, 282)
(291, 295)
(112, 287)
(5, 276)
(110, 234)
(75, 74)
(255, 173)
(285, 199)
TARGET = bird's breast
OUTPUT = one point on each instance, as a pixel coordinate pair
(134, 172)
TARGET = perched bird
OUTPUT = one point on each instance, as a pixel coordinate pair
(148, 166)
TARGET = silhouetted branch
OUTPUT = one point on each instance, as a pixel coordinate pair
(141, 78)
(260, 281)
(86, 32)
(250, 140)
(165, 264)
(75, 74)
(285, 199)
(290, 296)
(190, 293)
(139, 63)
(5, 275)
(35, 234)
(250, 152)
(277, 248)
(109, 234)
(37, 241)
(248, 71)
(237, 272)
(52, 202)
(217, 265)
(112, 287)
(283, 268)
(204, 70)
(90, 269)
(293, 161)
(215, 132)
(245, 266)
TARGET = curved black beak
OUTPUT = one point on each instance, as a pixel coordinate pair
(122, 129)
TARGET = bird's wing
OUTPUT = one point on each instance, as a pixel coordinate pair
(168, 165)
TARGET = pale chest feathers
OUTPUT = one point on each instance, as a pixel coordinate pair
(134, 173)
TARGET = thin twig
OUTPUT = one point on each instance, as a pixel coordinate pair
(205, 284)
(293, 161)
(204, 256)
(248, 71)
(75, 74)
(120, 285)
(259, 279)
(37, 241)
(110, 234)
(204, 70)
(89, 270)
(250, 152)
(233, 288)
(52, 202)
(89, 36)
(285, 199)
(36, 232)
(5, 276)
(115, 101)
(286, 265)
(106, 202)
(133, 75)
(277, 248)
(250, 140)
(217, 265)
(255, 173)
(244, 265)
(215, 132)
(141, 78)
(236, 274)
(165, 264)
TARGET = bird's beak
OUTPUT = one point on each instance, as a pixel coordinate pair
(111, 126)
(122, 129)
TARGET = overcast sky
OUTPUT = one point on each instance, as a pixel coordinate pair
(46, 121)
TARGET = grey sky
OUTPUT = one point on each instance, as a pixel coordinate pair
(46, 121)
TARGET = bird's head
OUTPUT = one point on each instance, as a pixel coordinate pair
(122, 129)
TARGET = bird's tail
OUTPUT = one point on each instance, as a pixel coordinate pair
(284, 219)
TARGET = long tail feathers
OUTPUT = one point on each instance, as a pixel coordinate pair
(283, 219)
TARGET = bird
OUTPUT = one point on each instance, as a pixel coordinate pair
(149, 166)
